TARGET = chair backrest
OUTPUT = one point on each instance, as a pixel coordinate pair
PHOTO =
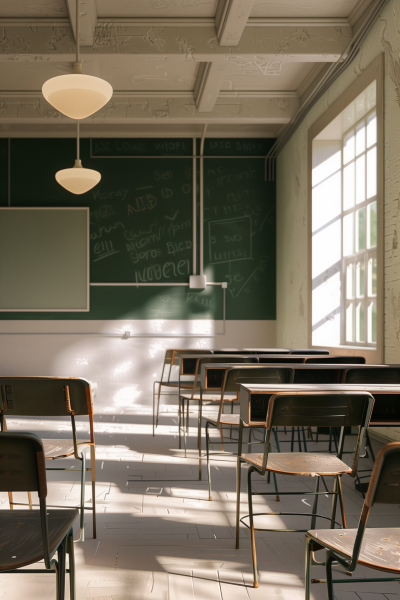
(22, 469)
(22, 463)
(384, 486)
(372, 375)
(45, 396)
(236, 376)
(319, 409)
(191, 363)
(336, 360)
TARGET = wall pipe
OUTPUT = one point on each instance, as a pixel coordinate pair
(194, 212)
(201, 212)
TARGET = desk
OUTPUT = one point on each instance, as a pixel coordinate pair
(254, 400)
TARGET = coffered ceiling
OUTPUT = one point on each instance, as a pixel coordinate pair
(243, 67)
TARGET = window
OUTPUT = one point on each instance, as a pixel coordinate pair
(359, 222)
(346, 254)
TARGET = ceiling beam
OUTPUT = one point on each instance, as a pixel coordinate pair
(319, 43)
(88, 22)
(231, 19)
(140, 108)
(208, 84)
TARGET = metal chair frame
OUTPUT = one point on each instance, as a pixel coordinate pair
(384, 489)
(20, 453)
(69, 407)
(231, 383)
(304, 409)
(171, 359)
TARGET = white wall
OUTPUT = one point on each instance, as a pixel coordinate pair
(292, 198)
(122, 371)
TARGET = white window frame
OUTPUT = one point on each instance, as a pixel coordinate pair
(374, 72)
(357, 257)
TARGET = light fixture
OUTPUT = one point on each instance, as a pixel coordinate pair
(78, 180)
(77, 95)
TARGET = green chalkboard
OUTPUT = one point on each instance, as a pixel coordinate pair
(141, 223)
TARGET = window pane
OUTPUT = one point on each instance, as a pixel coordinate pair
(372, 281)
(348, 235)
(361, 233)
(360, 278)
(371, 129)
(372, 225)
(372, 322)
(348, 186)
(349, 323)
(360, 138)
(326, 201)
(348, 147)
(372, 173)
(350, 281)
(360, 179)
(360, 322)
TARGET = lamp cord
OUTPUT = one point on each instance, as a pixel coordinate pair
(77, 30)
(77, 140)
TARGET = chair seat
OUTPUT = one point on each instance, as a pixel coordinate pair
(225, 420)
(21, 535)
(210, 397)
(300, 463)
(379, 548)
(61, 448)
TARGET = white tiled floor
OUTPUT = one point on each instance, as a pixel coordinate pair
(160, 538)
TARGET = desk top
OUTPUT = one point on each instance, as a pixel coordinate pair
(373, 388)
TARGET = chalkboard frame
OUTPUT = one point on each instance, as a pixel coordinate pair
(86, 260)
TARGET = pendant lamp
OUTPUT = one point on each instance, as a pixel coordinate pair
(78, 180)
(77, 95)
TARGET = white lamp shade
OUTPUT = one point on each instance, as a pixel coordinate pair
(78, 180)
(77, 95)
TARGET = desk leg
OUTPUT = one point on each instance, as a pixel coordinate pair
(199, 435)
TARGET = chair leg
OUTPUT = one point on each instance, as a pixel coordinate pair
(10, 499)
(208, 461)
(30, 500)
(187, 418)
(276, 488)
(307, 581)
(315, 505)
(154, 408)
(252, 533)
(158, 405)
(329, 581)
(71, 564)
(93, 478)
(199, 435)
(221, 435)
(334, 502)
(238, 482)
(304, 439)
(61, 554)
(82, 515)
(292, 441)
(180, 421)
(341, 503)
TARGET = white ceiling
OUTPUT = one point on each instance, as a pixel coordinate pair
(182, 62)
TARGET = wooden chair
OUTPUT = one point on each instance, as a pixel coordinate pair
(27, 537)
(376, 548)
(304, 409)
(232, 381)
(55, 397)
(171, 359)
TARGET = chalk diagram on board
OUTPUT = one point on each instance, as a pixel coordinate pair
(230, 240)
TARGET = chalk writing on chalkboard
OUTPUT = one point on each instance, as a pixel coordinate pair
(230, 240)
